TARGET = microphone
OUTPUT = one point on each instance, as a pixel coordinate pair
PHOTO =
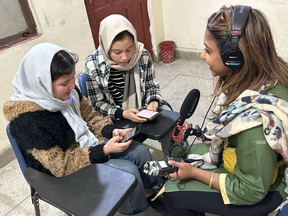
(187, 109)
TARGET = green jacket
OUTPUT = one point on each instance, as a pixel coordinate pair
(256, 163)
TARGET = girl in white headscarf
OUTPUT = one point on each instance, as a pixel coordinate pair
(120, 74)
(59, 132)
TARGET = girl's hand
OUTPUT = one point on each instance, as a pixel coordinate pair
(121, 132)
(153, 106)
(185, 170)
(130, 114)
(114, 145)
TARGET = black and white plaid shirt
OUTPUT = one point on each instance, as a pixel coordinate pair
(97, 76)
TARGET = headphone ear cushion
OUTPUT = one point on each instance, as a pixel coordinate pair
(232, 58)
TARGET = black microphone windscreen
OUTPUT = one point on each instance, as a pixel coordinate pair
(189, 104)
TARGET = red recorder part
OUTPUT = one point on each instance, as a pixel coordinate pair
(181, 129)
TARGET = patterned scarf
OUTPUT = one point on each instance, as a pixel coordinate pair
(249, 110)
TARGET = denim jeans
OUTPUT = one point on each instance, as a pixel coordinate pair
(138, 154)
(132, 160)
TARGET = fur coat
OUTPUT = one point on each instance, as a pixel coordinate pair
(47, 140)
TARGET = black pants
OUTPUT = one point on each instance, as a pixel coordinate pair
(195, 203)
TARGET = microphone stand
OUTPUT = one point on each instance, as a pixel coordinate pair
(180, 138)
(181, 131)
(197, 131)
(185, 131)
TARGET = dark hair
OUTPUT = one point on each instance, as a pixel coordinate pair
(122, 35)
(62, 63)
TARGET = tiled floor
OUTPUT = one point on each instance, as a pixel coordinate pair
(176, 80)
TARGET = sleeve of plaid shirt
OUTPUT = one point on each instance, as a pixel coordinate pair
(97, 75)
(151, 89)
(97, 72)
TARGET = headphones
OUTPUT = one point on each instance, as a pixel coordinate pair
(231, 56)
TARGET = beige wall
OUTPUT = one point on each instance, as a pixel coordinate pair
(65, 23)
(156, 23)
(185, 21)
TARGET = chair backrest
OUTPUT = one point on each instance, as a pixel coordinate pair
(82, 84)
(18, 152)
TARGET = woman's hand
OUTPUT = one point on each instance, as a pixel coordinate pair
(185, 170)
(153, 106)
(206, 142)
(130, 114)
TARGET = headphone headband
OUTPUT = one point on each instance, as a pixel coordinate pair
(232, 56)
(239, 19)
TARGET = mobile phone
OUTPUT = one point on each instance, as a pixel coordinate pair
(148, 114)
(131, 134)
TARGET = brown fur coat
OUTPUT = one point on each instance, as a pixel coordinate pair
(47, 140)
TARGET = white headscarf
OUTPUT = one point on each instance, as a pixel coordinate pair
(111, 26)
(33, 82)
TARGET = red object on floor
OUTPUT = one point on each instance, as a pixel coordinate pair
(167, 49)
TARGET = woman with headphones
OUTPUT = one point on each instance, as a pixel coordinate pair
(244, 169)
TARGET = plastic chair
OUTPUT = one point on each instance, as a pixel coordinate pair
(92, 190)
(82, 84)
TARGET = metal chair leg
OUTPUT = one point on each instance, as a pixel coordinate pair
(35, 201)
